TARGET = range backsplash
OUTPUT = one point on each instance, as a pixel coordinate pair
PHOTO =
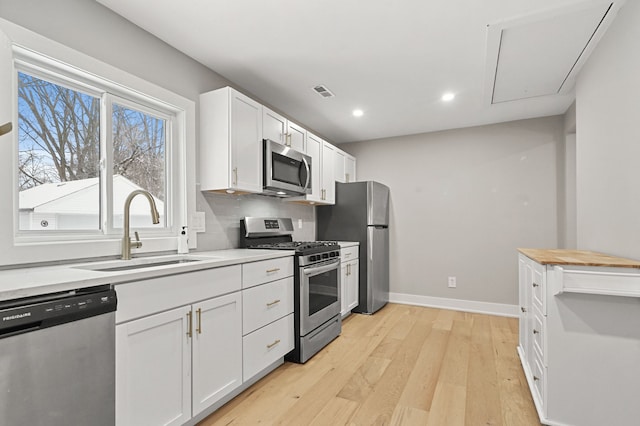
(223, 214)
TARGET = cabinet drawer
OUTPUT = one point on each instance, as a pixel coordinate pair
(349, 253)
(538, 333)
(265, 271)
(266, 303)
(137, 299)
(539, 376)
(266, 345)
(538, 285)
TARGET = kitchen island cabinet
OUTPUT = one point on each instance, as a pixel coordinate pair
(579, 341)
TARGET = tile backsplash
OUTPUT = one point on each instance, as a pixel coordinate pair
(224, 211)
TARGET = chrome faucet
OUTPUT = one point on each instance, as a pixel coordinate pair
(155, 218)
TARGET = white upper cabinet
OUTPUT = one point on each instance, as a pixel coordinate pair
(349, 168)
(279, 129)
(328, 157)
(274, 126)
(344, 167)
(297, 137)
(230, 142)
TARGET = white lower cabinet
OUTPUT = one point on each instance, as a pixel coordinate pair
(349, 277)
(163, 357)
(153, 370)
(176, 364)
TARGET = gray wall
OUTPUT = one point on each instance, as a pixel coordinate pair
(608, 141)
(463, 200)
(94, 30)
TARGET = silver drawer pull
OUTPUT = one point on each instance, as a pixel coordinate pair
(273, 344)
(272, 270)
(275, 302)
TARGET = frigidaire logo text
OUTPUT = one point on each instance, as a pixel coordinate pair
(16, 316)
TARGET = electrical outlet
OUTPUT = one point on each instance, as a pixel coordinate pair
(299, 223)
(452, 282)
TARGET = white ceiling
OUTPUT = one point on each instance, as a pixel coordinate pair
(392, 59)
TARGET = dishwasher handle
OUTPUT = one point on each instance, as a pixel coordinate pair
(38, 312)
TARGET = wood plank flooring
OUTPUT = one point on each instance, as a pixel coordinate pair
(405, 365)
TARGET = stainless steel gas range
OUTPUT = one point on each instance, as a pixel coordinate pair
(316, 282)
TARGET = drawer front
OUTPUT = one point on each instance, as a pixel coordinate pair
(265, 271)
(539, 376)
(266, 303)
(538, 285)
(266, 345)
(349, 253)
(539, 334)
(137, 299)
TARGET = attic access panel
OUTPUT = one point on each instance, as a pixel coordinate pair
(541, 54)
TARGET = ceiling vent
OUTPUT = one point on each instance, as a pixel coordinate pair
(323, 91)
(541, 54)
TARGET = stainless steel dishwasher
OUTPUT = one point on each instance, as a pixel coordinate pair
(57, 359)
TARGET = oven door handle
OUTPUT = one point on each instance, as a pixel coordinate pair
(320, 269)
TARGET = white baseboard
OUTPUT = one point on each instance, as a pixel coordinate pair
(489, 308)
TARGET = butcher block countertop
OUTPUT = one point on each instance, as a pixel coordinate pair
(578, 258)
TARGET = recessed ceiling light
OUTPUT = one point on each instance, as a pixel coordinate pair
(358, 113)
(448, 96)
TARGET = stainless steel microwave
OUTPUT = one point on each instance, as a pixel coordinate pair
(287, 172)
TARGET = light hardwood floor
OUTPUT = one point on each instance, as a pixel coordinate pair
(405, 365)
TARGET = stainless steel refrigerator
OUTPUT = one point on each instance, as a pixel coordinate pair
(361, 214)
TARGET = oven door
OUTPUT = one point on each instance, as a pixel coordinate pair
(319, 294)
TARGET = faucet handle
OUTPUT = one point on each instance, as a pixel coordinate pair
(137, 243)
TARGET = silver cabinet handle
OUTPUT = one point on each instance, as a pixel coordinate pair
(275, 302)
(269, 346)
(523, 309)
(272, 270)
(535, 331)
(536, 378)
(199, 326)
(535, 285)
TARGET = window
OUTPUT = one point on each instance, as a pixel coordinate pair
(59, 157)
(85, 135)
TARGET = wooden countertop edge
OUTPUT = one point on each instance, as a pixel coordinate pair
(578, 258)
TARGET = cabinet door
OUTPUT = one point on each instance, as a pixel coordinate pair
(314, 149)
(297, 137)
(349, 168)
(217, 349)
(328, 174)
(274, 126)
(344, 281)
(153, 370)
(352, 284)
(338, 166)
(246, 142)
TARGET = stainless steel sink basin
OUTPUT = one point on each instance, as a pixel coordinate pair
(140, 263)
(144, 265)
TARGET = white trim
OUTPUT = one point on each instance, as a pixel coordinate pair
(489, 308)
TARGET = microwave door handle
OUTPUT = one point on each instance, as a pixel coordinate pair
(306, 165)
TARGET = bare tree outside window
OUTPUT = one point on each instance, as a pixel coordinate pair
(59, 156)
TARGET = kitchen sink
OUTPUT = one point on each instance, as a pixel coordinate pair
(140, 263)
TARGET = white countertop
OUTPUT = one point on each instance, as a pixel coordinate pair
(35, 280)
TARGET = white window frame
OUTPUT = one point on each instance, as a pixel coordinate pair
(31, 52)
